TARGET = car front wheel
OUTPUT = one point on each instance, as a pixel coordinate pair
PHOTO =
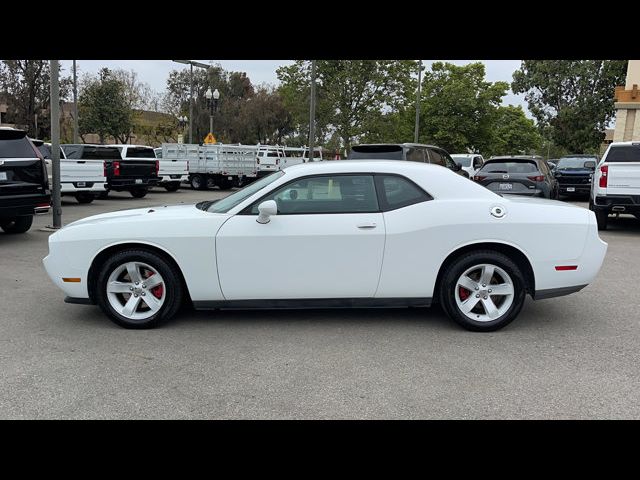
(482, 291)
(139, 289)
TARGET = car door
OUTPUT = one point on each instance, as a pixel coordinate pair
(326, 241)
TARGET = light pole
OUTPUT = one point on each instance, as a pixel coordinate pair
(212, 102)
(417, 129)
(55, 144)
(75, 104)
(192, 64)
(312, 112)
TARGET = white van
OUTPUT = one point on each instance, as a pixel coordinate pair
(269, 159)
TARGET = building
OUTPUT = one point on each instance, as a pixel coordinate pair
(627, 105)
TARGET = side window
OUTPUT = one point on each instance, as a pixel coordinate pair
(477, 162)
(449, 163)
(544, 168)
(324, 194)
(397, 192)
(436, 157)
(415, 155)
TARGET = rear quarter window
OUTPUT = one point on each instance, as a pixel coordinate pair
(16, 148)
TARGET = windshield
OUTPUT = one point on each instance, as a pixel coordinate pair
(510, 167)
(574, 162)
(227, 203)
(463, 160)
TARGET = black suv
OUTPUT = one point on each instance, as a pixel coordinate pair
(574, 173)
(518, 175)
(413, 152)
(24, 184)
(133, 176)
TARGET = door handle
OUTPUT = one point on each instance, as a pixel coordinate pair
(366, 226)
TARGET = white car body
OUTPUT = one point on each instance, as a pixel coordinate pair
(471, 162)
(382, 257)
(269, 159)
(616, 181)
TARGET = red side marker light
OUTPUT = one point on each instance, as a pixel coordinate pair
(566, 267)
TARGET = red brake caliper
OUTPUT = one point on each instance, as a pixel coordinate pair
(464, 293)
(156, 291)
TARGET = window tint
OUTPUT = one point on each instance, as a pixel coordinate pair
(71, 151)
(436, 158)
(462, 160)
(272, 154)
(140, 152)
(16, 148)
(398, 192)
(415, 155)
(101, 153)
(624, 153)
(449, 163)
(510, 167)
(383, 152)
(325, 194)
(477, 162)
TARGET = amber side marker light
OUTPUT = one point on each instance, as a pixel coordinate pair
(566, 267)
(76, 280)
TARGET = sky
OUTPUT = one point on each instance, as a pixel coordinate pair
(156, 72)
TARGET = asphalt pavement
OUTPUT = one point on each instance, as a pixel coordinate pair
(569, 357)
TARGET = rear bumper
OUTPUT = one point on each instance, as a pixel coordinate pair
(622, 203)
(91, 187)
(556, 292)
(130, 183)
(24, 205)
(174, 178)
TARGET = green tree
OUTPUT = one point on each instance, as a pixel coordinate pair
(572, 99)
(513, 133)
(104, 108)
(458, 107)
(352, 95)
(26, 86)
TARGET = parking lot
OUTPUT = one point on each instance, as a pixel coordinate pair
(569, 357)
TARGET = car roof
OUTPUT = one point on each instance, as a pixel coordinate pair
(127, 145)
(516, 158)
(406, 144)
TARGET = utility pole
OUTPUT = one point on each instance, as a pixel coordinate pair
(416, 133)
(55, 144)
(75, 104)
(312, 112)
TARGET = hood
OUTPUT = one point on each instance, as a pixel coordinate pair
(161, 212)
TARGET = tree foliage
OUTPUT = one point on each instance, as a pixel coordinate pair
(351, 95)
(26, 84)
(513, 133)
(104, 108)
(571, 99)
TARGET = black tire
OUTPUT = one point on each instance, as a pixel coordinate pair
(172, 187)
(602, 216)
(198, 182)
(103, 195)
(172, 283)
(139, 192)
(456, 268)
(224, 184)
(85, 197)
(17, 224)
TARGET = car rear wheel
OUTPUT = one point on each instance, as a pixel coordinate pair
(482, 291)
(198, 182)
(172, 187)
(17, 224)
(139, 289)
(85, 197)
(139, 192)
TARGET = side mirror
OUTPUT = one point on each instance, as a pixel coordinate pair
(590, 164)
(266, 209)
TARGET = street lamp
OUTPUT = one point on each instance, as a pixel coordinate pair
(182, 122)
(212, 101)
(191, 63)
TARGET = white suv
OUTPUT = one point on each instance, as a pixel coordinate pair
(470, 162)
(616, 182)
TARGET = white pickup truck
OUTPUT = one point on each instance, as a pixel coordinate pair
(83, 179)
(173, 170)
(615, 187)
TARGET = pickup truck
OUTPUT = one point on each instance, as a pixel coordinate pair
(83, 179)
(269, 159)
(135, 176)
(172, 171)
(574, 174)
(24, 188)
(616, 183)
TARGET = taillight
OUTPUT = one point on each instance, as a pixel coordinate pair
(604, 170)
(478, 178)
(157, 167)
(537, 178)
(116, 169)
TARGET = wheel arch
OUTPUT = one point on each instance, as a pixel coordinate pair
(110, 250)
(511, 251)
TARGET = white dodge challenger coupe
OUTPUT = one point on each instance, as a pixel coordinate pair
(332, 234)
